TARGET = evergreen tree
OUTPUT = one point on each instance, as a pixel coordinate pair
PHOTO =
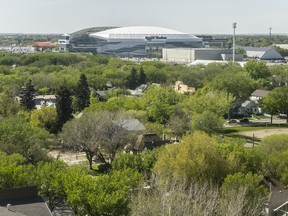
(63, 106)
(82, 94)
(132, 79)
(27, 95)
(142, 77)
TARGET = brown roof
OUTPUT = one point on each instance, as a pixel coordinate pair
(260, 93)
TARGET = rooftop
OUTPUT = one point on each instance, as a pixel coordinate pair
(141, 32)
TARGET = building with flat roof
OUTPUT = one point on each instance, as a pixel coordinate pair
(137, 41)
(189, 55)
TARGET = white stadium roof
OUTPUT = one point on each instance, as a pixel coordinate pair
(140, 32)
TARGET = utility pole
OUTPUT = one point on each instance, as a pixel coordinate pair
(234, 27)
(270, 34)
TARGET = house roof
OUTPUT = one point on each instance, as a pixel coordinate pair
(45, 97)
(247, 103)
(260, 93)
(6, 212)
(34, 206)
(262, 53)
(24, 201)
(132, 125)
(45, 44)
(277, 198)
(149, 141)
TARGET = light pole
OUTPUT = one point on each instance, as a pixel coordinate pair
(234, 27)
(270, 35)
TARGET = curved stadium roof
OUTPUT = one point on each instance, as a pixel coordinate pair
(139, 32)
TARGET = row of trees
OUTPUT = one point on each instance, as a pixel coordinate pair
(200, 170)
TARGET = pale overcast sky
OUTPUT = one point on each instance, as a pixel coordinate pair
(191, 16)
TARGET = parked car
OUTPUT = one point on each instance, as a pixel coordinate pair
(245, 120)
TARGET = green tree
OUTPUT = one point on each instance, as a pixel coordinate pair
(277, 101)
(142, 76)
(132, 79)
(235, 82)
(274, 149)
(15, 172)
(196, 158)
(27, 95)
(18, 136)
(82, 94)
(46, 118)
(8, 105)
(159, 102)
(63, 106)
(257, 69)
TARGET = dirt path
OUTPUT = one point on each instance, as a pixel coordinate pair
(263, 133)
(68, 156)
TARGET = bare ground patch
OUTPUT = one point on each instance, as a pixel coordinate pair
(260, 134)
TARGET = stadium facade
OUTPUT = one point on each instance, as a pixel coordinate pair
(138, 41)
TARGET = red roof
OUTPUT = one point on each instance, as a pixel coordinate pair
(45, 44)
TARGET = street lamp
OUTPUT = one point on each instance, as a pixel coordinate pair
(234, 27)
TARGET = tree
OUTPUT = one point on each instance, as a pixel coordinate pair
(274, 149)
(235, 83)
(8, 105)
(63, 106)
(46, 118)
(98, 134)
(196, 158)
(142, 76)
(18, 136)
(132, 79)
(27, 95)
(82, 94)
(159, 102)
(257, 70)
(255, 193)
(277, 101)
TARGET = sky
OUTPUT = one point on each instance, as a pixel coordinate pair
(189, 16)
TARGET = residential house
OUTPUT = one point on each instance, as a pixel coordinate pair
(45, 100)
(22, 201)
(258, 94)
(149, 141)
(180, 87)
(249, 107)
(277, 203)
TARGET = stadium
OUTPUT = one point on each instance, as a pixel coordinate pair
(138, 41)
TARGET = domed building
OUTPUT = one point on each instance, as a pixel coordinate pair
(138, 41)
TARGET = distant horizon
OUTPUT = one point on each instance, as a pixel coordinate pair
(195, 17)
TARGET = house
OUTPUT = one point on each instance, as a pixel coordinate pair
(180, 87)
(139, 90)
(277, 204)
(249, 107)
(45, 100)
(22, 202)
(258, 94)
(132, 125)
(267, 54)
(42, 46)
(149, 141)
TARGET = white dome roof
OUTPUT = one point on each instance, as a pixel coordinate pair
(138, 32)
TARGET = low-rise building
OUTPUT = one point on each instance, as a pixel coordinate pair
(266, 54)
(189, 55)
